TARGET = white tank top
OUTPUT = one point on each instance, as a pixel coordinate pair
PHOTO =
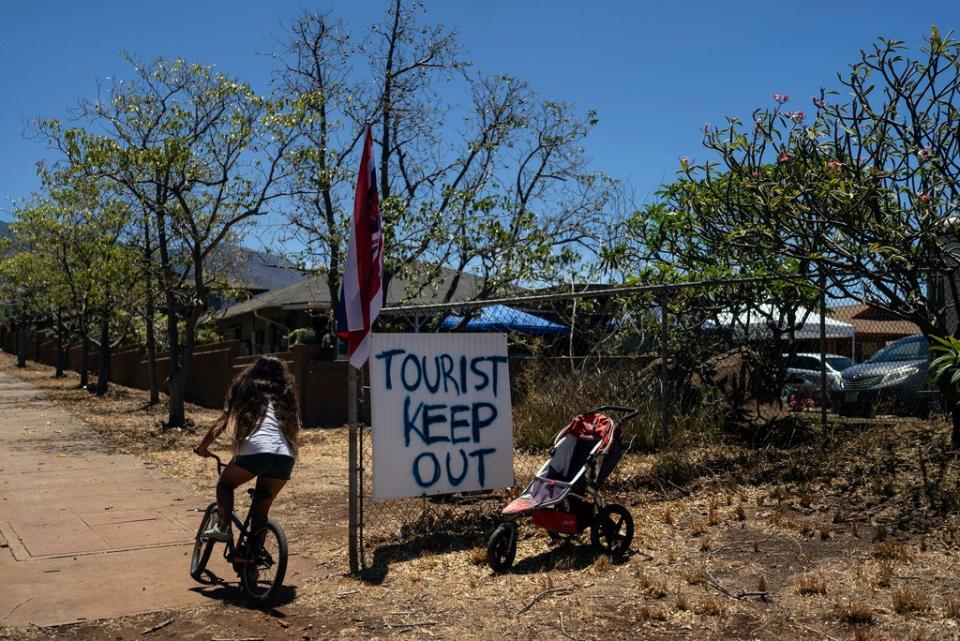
(266, 438)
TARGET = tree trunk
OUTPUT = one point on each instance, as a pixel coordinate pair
(84, 359)
(153, 384)
(103, 367)
(150, 316)
(22, 344)
(61, 348)
(176, 386)
(176, 380)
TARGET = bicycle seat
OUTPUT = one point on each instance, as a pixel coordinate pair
(256, 493)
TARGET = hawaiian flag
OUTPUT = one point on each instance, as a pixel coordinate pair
(361, 293)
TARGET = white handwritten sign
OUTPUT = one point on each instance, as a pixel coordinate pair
(441, 414)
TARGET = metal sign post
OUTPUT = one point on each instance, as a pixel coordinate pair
(353, 466)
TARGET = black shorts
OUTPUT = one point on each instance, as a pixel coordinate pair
(274, 466)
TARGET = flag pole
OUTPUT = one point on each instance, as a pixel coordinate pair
(353, 464)
(359, 304)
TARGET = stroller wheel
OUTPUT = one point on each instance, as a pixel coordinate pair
(612, 530)
(502, 547)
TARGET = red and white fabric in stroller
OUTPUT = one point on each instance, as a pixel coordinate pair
(563, 497)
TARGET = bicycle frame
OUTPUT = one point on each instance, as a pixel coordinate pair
(234, 544)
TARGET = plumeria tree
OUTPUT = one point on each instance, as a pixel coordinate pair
(861, 187)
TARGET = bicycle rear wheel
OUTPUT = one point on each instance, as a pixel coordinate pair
(262, 576)
(201, 546)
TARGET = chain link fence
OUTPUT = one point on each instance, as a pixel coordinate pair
(690, 357)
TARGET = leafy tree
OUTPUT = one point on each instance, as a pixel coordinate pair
(27, 285)
(510, 197)
(862, 191)
(199, 153)
(72, 238)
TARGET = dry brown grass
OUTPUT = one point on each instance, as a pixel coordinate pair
(602, 563)
(646, 613)
(952, 607)
(891, 550)
(762, 583)
(712, 606)
(809, 584)
(910, 600)
(478, 556)
(712, 518)
(884, 573)
(855, 613)
(655, 589)
(699, 528)
(445, 580)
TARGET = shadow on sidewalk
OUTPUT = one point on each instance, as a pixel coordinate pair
(219, 589)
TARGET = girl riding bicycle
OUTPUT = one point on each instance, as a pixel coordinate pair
(263, 417)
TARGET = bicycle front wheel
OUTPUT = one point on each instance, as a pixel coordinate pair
(201, 546)
(262, 576)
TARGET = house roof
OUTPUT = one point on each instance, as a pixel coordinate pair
(253, 270)
(871, 320)
(313, 293)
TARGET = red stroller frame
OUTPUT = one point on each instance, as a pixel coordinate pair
(563, 497)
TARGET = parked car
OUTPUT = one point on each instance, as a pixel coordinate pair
(893, 380)
(803, 374)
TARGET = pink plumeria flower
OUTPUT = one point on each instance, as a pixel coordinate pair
(925, 153)
(819, 102)
(834, 165)
(758, 123)
(923, 197)
(796, 116)
(781, 97)
(784, 156)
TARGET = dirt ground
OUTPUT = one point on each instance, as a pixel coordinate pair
(854, 534)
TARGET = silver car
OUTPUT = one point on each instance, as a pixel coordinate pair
(803, 373)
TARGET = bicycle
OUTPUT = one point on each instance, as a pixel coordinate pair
(259, 558)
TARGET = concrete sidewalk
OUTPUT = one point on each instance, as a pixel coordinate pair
(86, 532)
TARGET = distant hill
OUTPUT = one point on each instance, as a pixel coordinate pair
(255, 271)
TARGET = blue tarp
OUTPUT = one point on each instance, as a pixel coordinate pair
(500, 318)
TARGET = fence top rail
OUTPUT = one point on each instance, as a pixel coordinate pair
(577, 294)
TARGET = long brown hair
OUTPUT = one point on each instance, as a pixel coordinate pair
(266, 380)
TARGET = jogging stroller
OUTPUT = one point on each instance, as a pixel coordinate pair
(563, 497)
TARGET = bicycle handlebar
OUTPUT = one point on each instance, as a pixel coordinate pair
(216, 458)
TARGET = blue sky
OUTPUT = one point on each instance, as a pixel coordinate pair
(656, 72)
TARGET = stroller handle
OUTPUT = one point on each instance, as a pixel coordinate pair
(628, 412)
